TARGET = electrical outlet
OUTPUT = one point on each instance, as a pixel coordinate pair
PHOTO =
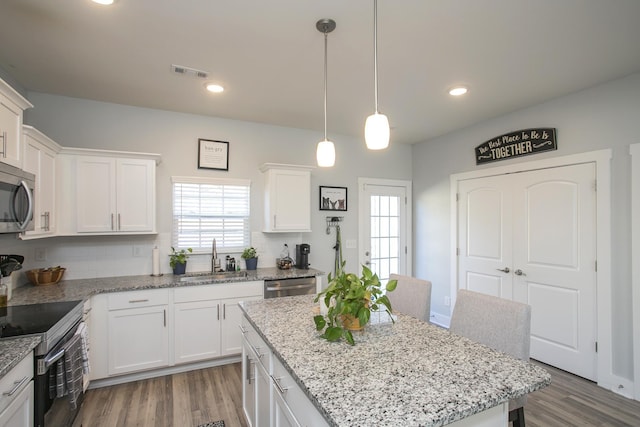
(138, 251)
(447, 301)
(40, 254)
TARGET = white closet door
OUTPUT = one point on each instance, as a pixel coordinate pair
(554, 264)
(530, 237)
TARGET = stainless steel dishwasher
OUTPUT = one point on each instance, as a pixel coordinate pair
(289, 287)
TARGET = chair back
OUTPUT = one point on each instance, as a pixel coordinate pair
(412, 296)
(495, 322)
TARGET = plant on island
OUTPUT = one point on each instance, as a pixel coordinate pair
(350, 300)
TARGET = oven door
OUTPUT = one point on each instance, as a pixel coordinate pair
(52, 411)
(289, 287)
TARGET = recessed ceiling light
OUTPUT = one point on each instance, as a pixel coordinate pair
(104, 2)
(212, 87)
(458, 90)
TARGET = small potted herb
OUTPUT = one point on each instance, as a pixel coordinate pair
(250, 257)
(178, 260)
(350, 300)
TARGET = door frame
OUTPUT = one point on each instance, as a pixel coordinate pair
(634, 150)
(409, 212)
(602, 159)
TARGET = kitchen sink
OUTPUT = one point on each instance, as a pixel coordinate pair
(208, 276)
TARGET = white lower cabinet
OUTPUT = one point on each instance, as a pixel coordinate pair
(16, 398)
(138, 331)
(207, 319)
(274, 398)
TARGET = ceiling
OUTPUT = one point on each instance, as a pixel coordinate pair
(269, 56)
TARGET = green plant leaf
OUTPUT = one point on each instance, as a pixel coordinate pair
(391, 285)
(333, 333)
(348, 336)
(384, 300)
(320, 322)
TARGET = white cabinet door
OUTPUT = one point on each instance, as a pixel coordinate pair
(95, 194)
(115, 195)
(287, 198)
(248, 384)
(231, 337)
(10, 131)
(19, 413)
(263, 396)
(197, 331)
(40, 159)
(138, 339)
(135, 199)
(282, 415)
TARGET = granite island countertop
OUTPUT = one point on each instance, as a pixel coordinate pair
(410, 373)
(13, 350)
(81, 289)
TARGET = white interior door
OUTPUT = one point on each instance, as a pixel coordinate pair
(530, 237)
(384, 227)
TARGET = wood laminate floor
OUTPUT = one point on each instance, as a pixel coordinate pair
(198, 397)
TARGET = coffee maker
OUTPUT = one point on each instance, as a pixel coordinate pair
(302, 256)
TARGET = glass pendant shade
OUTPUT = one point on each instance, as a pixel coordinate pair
(376, 131)
(326, 154)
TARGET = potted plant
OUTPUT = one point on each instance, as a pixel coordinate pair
(350, 300)
(250, 257)
(178, 260)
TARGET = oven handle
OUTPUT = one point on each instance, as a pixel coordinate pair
(50, 360)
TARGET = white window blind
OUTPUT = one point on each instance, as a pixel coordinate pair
(204, 209)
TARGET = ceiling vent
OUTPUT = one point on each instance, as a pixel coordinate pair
(187, 71)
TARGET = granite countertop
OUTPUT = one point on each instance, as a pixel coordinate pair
(13, 350)
(81, 289)
(410, 373)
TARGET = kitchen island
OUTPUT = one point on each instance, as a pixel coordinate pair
(409, 373)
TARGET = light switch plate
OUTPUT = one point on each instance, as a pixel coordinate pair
(351, 244)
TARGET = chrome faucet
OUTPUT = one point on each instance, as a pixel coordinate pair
(215, 262)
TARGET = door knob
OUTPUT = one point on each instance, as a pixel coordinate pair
(366, 253)
(519, 272)
(504, 270)
(367, 262)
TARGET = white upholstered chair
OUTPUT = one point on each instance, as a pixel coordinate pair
(497, 323)
(412, 296)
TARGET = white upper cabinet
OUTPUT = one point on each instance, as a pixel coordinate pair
(12, 106)
(287, 198)
(40, 159)
(108, 192)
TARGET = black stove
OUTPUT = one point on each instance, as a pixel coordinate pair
(49, 320)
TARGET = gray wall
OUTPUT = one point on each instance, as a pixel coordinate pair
(602, 117)
(83, 123)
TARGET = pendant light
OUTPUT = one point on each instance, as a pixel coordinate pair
(326, 151)
(376, 128)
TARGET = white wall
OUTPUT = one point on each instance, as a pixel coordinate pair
(605, 116)
(82, 123)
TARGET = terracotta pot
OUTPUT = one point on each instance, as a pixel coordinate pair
(351, 323)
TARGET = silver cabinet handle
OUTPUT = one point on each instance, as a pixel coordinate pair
(242, 329)
(165, 317)
(504, 270)
(519, 272)
(111, 221)
(16, 387)
(134, 301)
(278, 386)
(4, 144)
(218, 305)
(118, 221)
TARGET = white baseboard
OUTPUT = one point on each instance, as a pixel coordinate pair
(121, 379)
(618, 385)
(440, 319)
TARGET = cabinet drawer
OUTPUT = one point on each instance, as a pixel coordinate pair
(303, 410)
(15, 380)
(256, 344)
(218, 291)
(134, 299)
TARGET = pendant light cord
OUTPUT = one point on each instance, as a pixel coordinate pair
(325, 86)
(375, 53)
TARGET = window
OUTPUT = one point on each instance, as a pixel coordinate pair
(204, 209)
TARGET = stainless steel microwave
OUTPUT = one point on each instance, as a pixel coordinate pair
(16, 199)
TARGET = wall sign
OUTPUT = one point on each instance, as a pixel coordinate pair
(333, 198)
(213, 154)
(516, 144)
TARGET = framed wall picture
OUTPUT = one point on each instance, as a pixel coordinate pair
(213, 154)
(333, 198)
